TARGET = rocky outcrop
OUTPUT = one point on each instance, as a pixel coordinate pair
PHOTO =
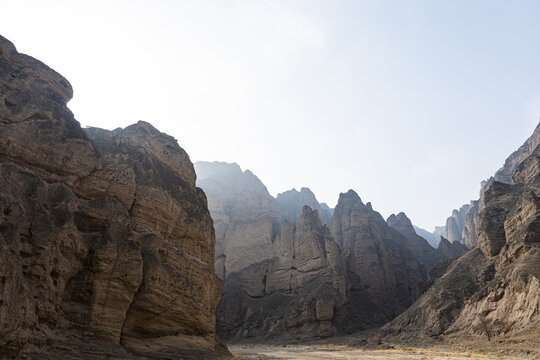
(381, 269)
(455, 224)
(462, 225)
(451, 249)
(106, 245)
(426, 255)
(291, 203)
(493, 290)
(281, 278)
(430, 237)
(505, 173)
(296, 278)
(246, 216)
(296, 293)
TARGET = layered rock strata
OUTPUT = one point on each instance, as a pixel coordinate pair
(106, 244)
(287, 275)
(462, 225)
(493, 290)
(281, 278)
(382, 271)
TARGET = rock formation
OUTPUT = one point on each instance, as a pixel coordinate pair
(426, 255)
(381, 269)
(451, 249)
(291, 203)
(281, 278)
(246, 216)
(462, 225)
(455, 224)
(106, 245)
(430, 237)
(296, 293)
(296, 277)
(495, 288)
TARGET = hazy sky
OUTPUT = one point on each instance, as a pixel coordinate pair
(410, 103)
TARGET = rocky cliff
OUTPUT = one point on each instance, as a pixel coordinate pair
(106, 245)
(291, 203)
(430, 237)
(298, 278)
(494, 289)
(246, 216)
(462, 225)
(451, 249)
(281, 278)
(382, 271)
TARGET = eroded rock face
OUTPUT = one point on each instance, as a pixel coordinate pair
(106, 244)
(291, 203)
(462, 225)
(451, 249)
(296, 293)
(381, 269)
(246, 216)
(426, 255)
(281, 278)
(493, 287)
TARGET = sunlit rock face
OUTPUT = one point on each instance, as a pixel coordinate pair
(496, 285)
(106, 245)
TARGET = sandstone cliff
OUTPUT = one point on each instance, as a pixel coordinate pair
(426, 255)
(296, 278)
(494, 289)
(291, 203)
(281, 278)
(451, 249)
(106, 245)
(462, 225)
(381, 269)
(246, 216)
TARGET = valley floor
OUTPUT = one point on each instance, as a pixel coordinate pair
(370, 348)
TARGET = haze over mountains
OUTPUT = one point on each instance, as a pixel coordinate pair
(114, 245)
(283, 260)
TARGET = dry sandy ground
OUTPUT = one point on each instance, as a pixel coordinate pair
(305, 352)
(350, 348)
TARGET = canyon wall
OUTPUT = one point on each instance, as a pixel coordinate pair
(493, 290)
(283, 267)
(106, 244)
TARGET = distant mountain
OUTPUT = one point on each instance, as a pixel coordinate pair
(431, 238)
(291, 267)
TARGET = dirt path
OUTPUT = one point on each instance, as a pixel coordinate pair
(305, 352)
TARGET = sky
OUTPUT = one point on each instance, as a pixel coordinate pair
(409, 103)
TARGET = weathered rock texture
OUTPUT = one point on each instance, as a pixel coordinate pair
(246, 216)
(281, 278)
(451, 249)
(462, 225)
(426, 255)
(296, 277)
(291, 203)
(382, 271)
(493, 288)
(106, 245)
